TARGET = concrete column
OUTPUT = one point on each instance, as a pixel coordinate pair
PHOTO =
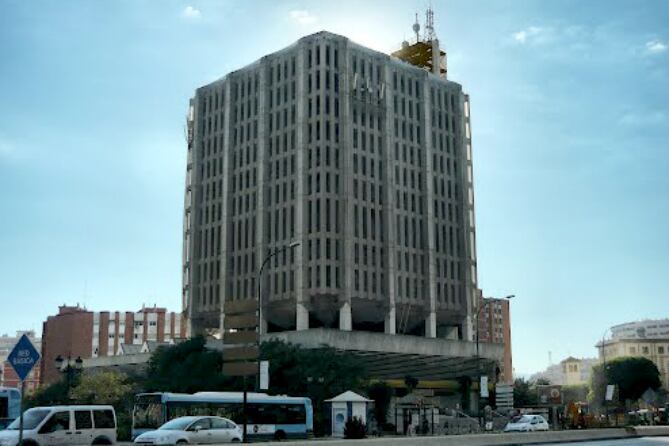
(468, 222)
(345, 318)
(261, 215)
(301, 313)
(390, 321)
(389, 201)
(431, 320)
(346, 145)
(302, 317)
(431, 325)
(223, 283)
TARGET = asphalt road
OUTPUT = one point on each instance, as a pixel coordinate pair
(648, 441)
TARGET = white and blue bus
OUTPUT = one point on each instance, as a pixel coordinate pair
(10, 405)
(269, 417)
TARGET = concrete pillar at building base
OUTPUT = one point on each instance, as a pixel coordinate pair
(345, 318)
(263, 326)
(431, 325)
(302, 317)
(390, 321)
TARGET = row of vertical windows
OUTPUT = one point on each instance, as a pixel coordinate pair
(327, 248)
(329, 279)
(369, 282)
(323, 217)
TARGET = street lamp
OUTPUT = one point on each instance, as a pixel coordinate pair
(69, 366)
(292, 245)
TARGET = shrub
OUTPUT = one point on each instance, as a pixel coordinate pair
(354, 428)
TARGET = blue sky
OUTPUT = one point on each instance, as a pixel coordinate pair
(570, 107)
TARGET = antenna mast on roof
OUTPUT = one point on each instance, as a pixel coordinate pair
(416, 29)
(429, 25)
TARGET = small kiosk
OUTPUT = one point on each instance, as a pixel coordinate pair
(346, 406)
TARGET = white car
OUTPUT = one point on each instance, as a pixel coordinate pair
(193, 430)
(63, 425)
(527, 423)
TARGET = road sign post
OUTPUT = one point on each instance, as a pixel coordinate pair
(23, 358)
(241, 346)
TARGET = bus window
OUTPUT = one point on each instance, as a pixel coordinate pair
(148, 413)
(291, 414)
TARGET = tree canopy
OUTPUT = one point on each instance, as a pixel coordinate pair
(632, 376)
(186, 367)
(523, 393)
(106, 387)
(318, 374)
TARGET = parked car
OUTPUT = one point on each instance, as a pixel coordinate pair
(193, 430)
(527, 423)
(63, 425)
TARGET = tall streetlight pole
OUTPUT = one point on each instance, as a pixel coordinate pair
(606, 380)
(262, 267)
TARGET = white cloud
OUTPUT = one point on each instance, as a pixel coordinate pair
(190, 12)
(530, 34)
(656, 47)
(303, 17)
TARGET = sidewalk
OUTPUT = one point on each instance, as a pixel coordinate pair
(502, 439)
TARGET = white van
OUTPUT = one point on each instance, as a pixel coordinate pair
(63, 426)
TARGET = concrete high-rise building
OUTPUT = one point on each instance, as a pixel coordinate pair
(362, 158)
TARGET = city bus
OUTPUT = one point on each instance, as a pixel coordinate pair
(269, 417)
(10, 405)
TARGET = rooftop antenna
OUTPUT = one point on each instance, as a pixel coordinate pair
(429, 24)
(416, 29)
(550, 357)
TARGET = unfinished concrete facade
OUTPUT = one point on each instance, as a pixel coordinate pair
(364, 160)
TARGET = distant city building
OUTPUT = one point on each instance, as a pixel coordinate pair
(644, 329)
(76, 332)
(569, 372)
(8, 377)
(647, 338)
(495, 327)
(577, 371)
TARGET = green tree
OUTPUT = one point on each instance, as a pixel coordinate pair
(52, 395)
(186, 367)
(106, 387)
(632, 375)
(319, 374)
(523, 393)
(381, 393)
